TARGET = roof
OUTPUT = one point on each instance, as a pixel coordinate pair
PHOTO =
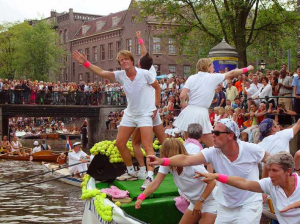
(91, 26)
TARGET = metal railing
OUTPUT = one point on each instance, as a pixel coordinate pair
(62, 97)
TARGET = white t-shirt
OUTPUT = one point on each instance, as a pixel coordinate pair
(191, 188)
(277, 142)
(153, 72)
(264, 91)
(202, 88)
(245, 166)
(75, 157)
(36, 149)
(280, 201)
(191, 148)
(138, 92)
(254, 88)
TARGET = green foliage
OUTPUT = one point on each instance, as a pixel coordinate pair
(203, 24)
(29, 51)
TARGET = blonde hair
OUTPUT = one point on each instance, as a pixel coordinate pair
(126, 54)
(172, 147)
(221, 110)
(203, 64)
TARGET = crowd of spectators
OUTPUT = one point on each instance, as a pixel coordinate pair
(57, 93)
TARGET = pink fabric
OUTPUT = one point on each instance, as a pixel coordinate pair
(87, 64)
(222, 178)
(245, 70)
(141, 41)
(295, 176)
(115, 192)
(194, 141)
(142, 197)
(166, 162)
(181, 204)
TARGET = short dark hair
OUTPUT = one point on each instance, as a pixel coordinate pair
(146, 62)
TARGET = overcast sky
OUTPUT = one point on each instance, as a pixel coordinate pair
(18, 10)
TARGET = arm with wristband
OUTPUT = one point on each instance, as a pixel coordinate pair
(237, 182)
(237, 72)
(149, 190)
(82, 59)
(141, 43)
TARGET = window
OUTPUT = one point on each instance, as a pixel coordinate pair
(102, 52)
(186, 70)
(87, 52)
(80, 77)
(129, 44)
(110, 51)
(88, 77)
(73, 70)
(99, 25)
(66, 73)
(156, 45)
(61, 39)
(66, 36)
(118, 46)
(115, 21)
(172, 69)
(85, 29)
(172, 49)
(95, 50)
(157, 69)
(137, 47)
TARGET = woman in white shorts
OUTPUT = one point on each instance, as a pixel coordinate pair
(202, 204)
(200, 89)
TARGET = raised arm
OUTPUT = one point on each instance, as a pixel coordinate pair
(82, 59)
(237, 72)
(179, 160)
(156, 87)
(237, 182)
(296, 127)
(297, 162)
(141, 43)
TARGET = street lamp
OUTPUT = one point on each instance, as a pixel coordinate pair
(262, 65)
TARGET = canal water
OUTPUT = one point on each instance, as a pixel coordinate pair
(51, 202)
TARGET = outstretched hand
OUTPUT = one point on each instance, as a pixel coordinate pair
(138, 203)
(81, 58)
(152, 160)
(138, 34)
(250, 67)
(207, 176)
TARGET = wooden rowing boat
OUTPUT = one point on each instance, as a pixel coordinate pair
(60, 173)
(45, 155)
(50, 135)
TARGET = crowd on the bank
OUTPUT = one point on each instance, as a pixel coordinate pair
(57, 93)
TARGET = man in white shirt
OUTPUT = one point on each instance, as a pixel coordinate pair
(274, 140)
(141, 108)
(76, 156)
(231, 157)
(36, 147)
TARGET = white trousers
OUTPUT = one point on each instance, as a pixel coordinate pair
(78, 168)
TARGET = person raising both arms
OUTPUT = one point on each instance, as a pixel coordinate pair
(202, 204)
(282, 185)
(141, 108)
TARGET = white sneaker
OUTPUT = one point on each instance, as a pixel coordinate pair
(127, 176)
(141, 175)
(146, 183)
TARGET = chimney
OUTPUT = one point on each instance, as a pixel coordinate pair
(53, 13)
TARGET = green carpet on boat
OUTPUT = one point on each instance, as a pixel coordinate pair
(155, 211)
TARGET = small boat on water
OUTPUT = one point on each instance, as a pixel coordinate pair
(70, 136)
(45, 155)
(50, 135)
(31, 136)
(61, 173)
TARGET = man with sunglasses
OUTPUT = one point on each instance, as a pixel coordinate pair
(231, 156)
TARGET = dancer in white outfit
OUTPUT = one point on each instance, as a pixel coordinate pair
(200, 88)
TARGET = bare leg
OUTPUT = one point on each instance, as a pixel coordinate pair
(146, 136)
(208, 218)
(136, 144)
(160, 133)
(189, 218)
(124, 134)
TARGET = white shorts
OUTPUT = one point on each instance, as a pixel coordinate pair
(249, 213)
(136, 121)
(157, 121)
(193, 114)
(209, 206)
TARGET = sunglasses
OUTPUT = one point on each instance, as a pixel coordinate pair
(217, 133)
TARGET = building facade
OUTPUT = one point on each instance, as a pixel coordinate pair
(102, 37)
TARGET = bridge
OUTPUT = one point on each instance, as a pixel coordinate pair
(96, 116)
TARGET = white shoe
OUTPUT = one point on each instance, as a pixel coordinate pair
(146, 183)
(127, 176)
(142, 175)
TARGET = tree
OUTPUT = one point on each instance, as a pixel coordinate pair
(240, 22)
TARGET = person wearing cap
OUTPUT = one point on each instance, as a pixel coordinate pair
(77, 156)
(272, 139)
(231, 157)
(36, 147)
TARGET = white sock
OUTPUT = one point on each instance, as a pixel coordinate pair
(130, 169)
(150, 174)
(143, 168)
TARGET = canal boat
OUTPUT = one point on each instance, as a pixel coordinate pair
(61, 173)
(45, 155)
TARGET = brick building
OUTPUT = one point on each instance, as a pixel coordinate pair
(102, 37)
